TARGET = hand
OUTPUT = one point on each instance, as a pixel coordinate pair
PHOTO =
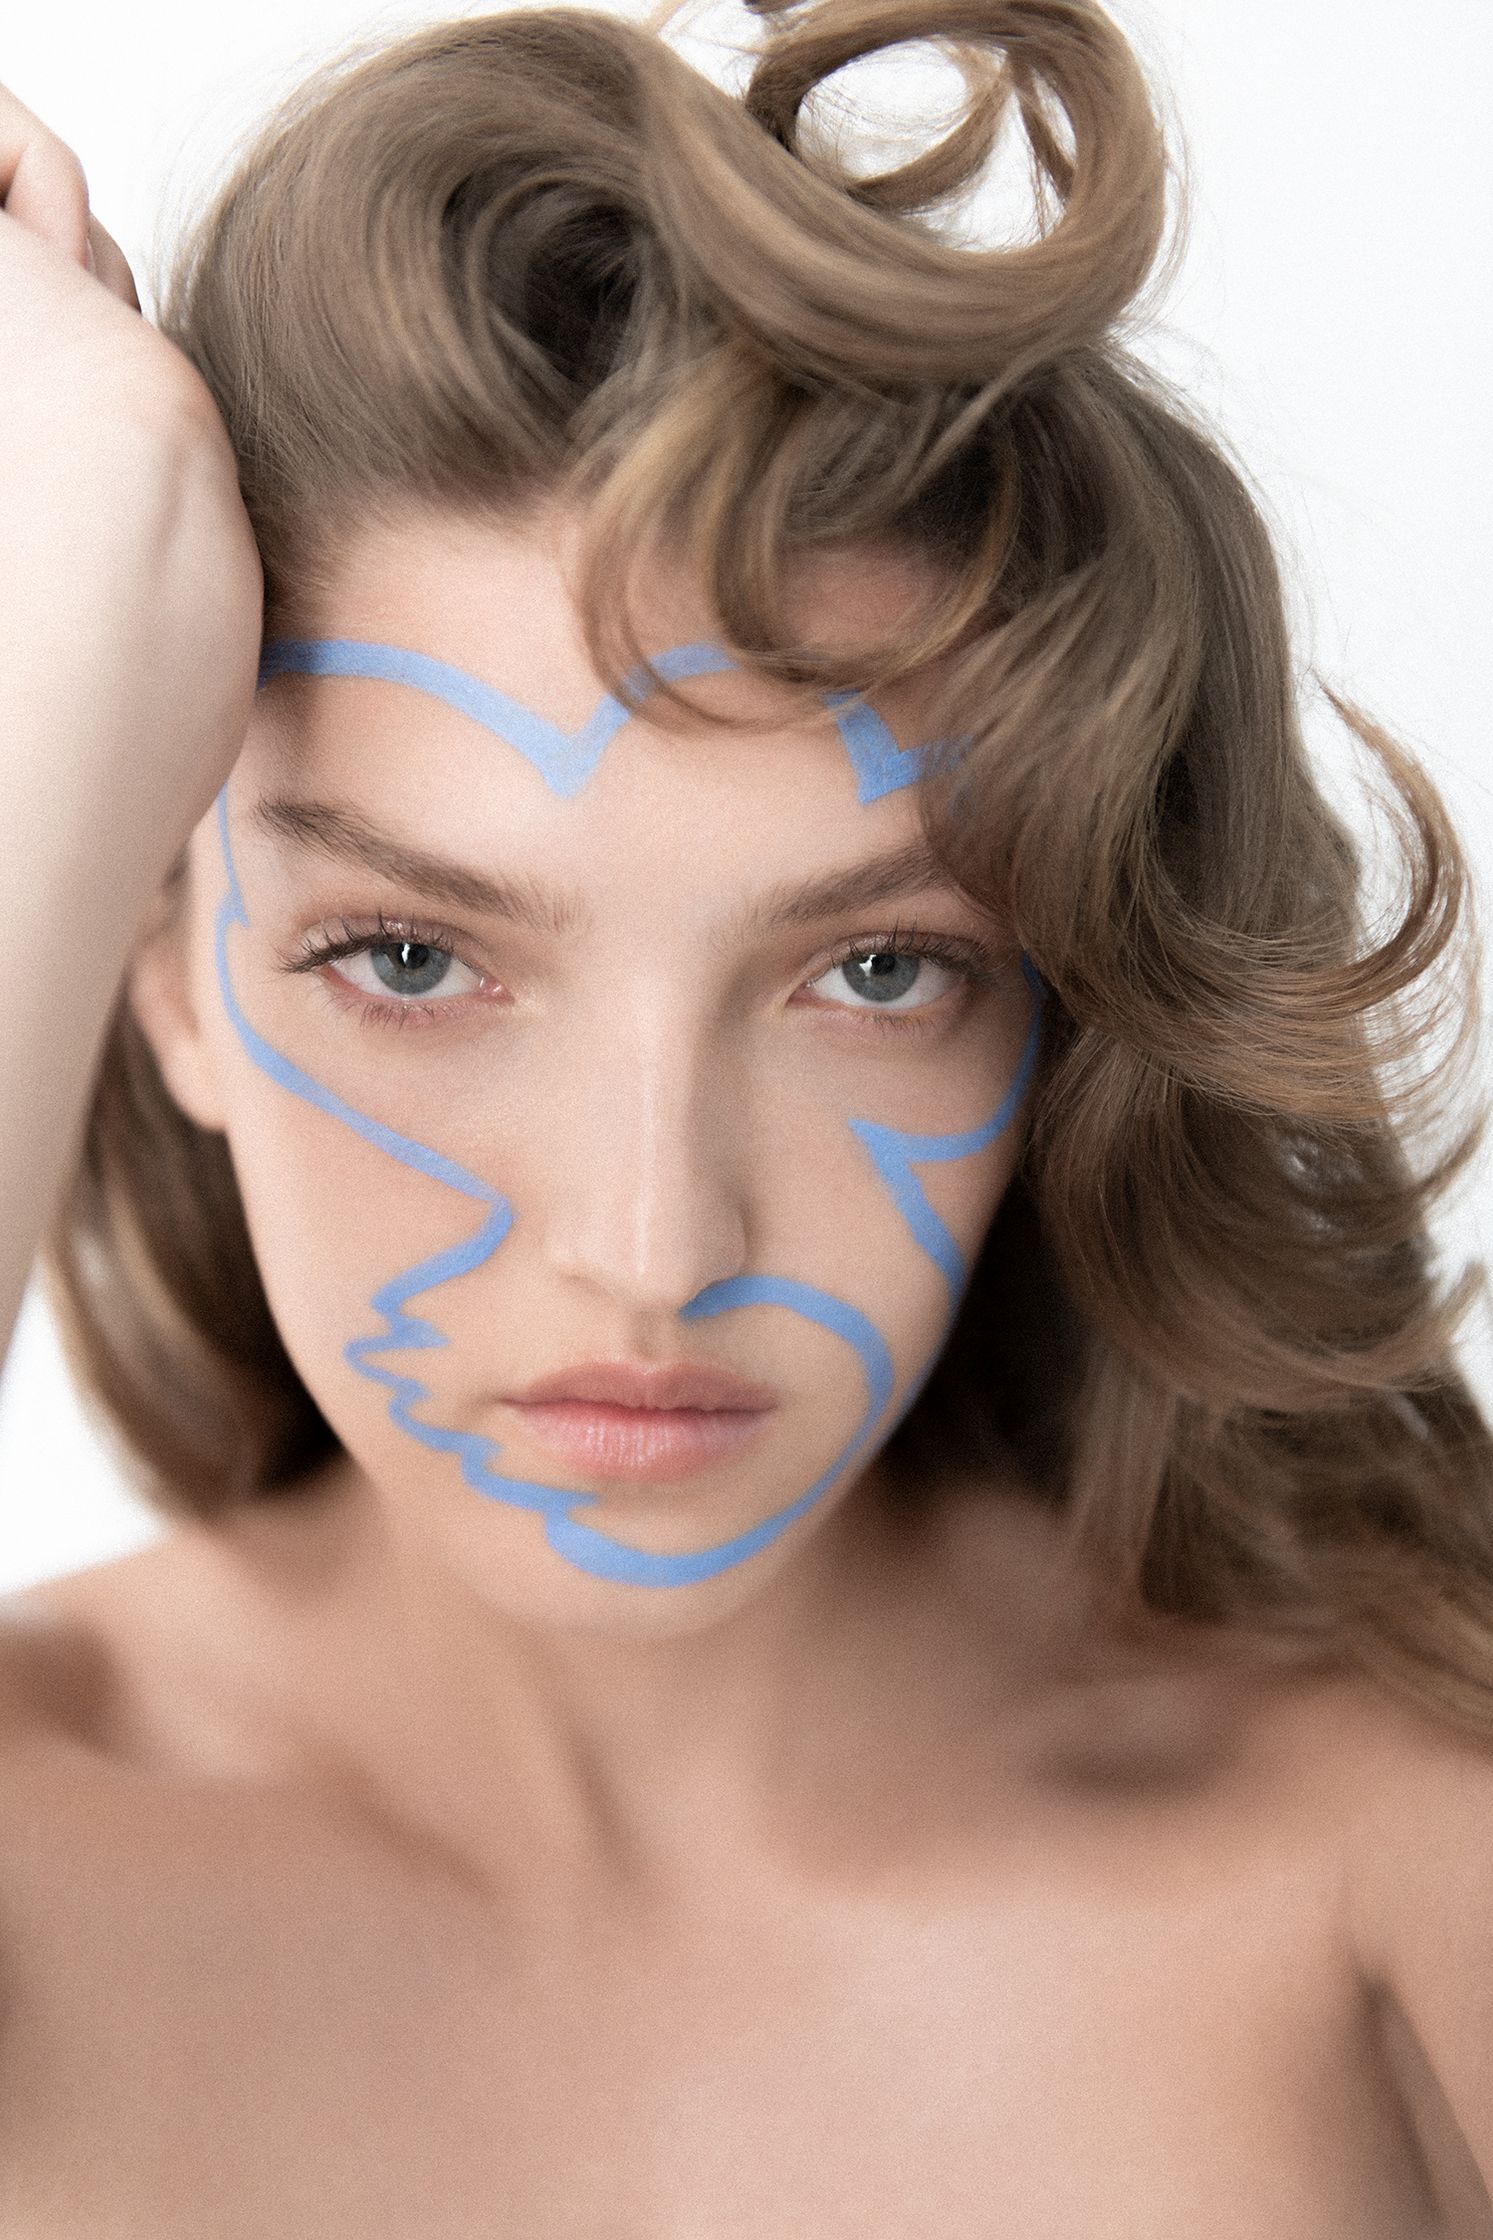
(42, 187)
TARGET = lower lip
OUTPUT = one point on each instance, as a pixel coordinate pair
(604, 1440)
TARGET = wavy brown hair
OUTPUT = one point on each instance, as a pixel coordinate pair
(538, 256)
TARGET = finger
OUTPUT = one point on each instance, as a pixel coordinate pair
(111, 265)
(41, 180)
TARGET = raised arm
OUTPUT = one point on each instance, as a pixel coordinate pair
(130, 592)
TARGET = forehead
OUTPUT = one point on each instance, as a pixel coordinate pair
(442, 572)
(772, 781)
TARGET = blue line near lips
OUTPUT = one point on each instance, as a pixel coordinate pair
(565, 761)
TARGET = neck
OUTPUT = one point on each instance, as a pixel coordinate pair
(653, 1756)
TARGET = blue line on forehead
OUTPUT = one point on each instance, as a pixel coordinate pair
(566, 759)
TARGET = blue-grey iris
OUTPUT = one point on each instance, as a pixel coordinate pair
(413, 957)
(883, 977)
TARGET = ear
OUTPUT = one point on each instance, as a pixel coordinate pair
(158, 989)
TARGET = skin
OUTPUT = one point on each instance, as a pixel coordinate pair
(853, 1889)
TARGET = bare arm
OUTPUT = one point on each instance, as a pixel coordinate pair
(129, 632)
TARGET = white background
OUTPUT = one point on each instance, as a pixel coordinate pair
(1332, 313)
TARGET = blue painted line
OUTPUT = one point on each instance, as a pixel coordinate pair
(895, 1151)
(565, 761)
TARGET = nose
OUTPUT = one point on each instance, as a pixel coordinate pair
(645, 1199)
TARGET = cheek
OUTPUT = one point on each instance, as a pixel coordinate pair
(337, 1222)
(329, 1220)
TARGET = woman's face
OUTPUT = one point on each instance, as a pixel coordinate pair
(545, 1037)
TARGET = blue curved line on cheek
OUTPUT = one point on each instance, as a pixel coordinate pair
(896, 1151)
(892, 1151)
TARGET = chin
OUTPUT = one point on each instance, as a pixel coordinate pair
(503, 1556)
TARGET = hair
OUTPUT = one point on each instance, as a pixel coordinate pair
(538, 257)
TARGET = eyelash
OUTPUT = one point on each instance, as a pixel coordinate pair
(970, 959)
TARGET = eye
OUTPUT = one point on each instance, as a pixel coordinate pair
(404, 972)
(395, 970)
(900, 972)
(408, 968)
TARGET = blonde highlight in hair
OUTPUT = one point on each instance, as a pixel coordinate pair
(537, 258)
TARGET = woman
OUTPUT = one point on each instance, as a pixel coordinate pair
(726, 1141)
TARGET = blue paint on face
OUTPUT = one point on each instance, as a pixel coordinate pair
(565, 761)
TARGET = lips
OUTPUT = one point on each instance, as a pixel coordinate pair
(648, 1421)
(651, 1385)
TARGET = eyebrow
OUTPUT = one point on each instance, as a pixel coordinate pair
(345, 835)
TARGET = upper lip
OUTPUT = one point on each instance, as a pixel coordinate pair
(650, 1384)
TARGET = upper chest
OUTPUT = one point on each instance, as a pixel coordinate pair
(1120, 2004)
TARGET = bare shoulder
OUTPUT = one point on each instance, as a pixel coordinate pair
(1101, 1672)
(1424, 1824)
(1419, 1910)
(1423, 1840)
(65, 1660)
(54, 1676)
(1386, 1797)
